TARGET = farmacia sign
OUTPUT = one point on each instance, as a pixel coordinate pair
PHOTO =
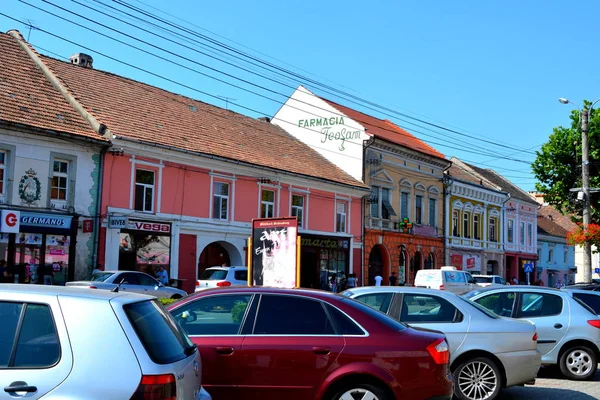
(329, 130)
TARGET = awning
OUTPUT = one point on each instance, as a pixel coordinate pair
(388, 207)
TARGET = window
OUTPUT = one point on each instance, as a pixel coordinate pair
(144, 190)
(466, 230)
(267, 204)
(214, 315)
(298, 208)
(454, 277)
(522, 233)
(418, 210)
(37, 344)
(501, 304)
(476, 226)
(3, 159)
(529, 234)
(147, 280)
(240, 275)
(540, 305)
(164, 340)
(550, 255)
(592, 301)
(220, 200)
(378, 301)
(275, 317)
(340, 220)
(404, 211)
(427, 309)
(386, 206)
(343, 324)
(432, 212)
(59, 187)
(511, 231)
(375, 202)
(455, 223)
(566, 257)
(492, 228)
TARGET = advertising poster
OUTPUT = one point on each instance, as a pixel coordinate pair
(274, 252)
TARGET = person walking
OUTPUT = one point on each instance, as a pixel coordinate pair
(351, 283)
(378, 280)
(5, 273)
(393, 279)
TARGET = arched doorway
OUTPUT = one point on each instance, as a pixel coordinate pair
(378, 263)
(402, 266)
(417, 264)
(430, 263)
(218, 253)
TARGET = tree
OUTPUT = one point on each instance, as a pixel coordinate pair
(557, 167)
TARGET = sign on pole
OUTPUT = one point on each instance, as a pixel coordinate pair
(274, 260)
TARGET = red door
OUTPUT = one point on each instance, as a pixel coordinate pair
(290, 351)
(220, 364)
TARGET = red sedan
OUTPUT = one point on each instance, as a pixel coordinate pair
(272, 344)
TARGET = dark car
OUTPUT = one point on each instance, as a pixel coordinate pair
(594, 286)
(296, 344)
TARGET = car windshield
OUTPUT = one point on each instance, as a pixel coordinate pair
(484, 279)
(481, 308)
(101, 276)
(213, 275)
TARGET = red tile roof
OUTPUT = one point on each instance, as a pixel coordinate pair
(387, 130)
(552, 222)
(135, 110)
(28, 98)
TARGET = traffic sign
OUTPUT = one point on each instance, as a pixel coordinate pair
(597, 270)
(528, 267)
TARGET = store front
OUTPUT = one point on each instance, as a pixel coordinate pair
(321, 257)
(39, 239)
(143, 245)
(467, 261)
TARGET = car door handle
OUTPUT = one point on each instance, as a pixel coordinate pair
(558, 326)
(321, 350)
(20, 387)
(225, 350)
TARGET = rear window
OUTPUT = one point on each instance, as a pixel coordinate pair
(377, 315)
(101, 276)
(162, 337)
(213, 275)
(481, 308)
(484, 279)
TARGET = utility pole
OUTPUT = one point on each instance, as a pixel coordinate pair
(585, 183)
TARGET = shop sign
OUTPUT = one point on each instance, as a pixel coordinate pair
(46, 220)
(470, 263)
(117, 222)
(88, 226)
(10, 221)
(325, 243)
(149, 226)
(328, 130)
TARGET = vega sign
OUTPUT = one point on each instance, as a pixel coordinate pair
(331, 130)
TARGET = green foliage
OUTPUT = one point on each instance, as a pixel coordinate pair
(557, 166)
(166, 301)
(238, 310)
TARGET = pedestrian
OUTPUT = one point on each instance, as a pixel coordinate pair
(333, 285)
(162, 275)
(514, 281)
(48, 274)
(351, 281)
(5, 274)
(378, 280)
(393, 279)
(97, 270)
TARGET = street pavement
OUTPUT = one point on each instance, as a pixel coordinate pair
(550, 385)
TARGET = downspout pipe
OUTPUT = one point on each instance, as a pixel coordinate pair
(504, 231)
(366, 144)
(98, 216)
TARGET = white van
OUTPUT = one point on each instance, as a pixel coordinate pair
(446, 278)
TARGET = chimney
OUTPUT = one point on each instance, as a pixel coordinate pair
(264, 119)
(82, 59)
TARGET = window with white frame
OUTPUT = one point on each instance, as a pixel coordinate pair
(511, 231)
(466, 223)
(267, 204)
(59, 188)
(144, 190)
(455, 223)
(418, 209)
(387, 210)
(375, 202)
(298, 208)
(432, 212)
(3, 161)
(529, 234)
(220, 200)
(340, 220)
(476, 227)
(492, 230)
(522, 233)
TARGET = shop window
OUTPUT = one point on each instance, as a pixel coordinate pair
(220, 200)
(144, 190)
(298, 209)
(466, 230)
(492, 228)
(432, 212)
(511, 231)
(267, 204)
(340, 220)
(455, 223)
(57, 259)
(418, 210)
(476, 227)
(145, 252)
(7, 163)
(333, 263)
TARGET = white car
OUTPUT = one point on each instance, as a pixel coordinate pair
(481, 364)
(222, 277)
(489, 280)
(446, 278)
(53, 337)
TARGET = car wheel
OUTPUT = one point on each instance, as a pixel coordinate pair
(477, 379)
(361, 392)
(578, 363)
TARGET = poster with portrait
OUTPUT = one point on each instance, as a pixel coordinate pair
(274, 253)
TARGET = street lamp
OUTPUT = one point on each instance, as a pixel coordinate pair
(585, 183)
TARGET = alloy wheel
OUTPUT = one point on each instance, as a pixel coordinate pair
(359, 394)
(579, 362)
(477, 380)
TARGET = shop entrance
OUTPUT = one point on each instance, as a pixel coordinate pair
(144, 251)
(378, 264)
(217, 254)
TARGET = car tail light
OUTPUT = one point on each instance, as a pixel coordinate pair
(93, 287)
(535, 337)
(224, 283)
(197, 283)
(441, 287)
(595, 323)
(156, 387)
(439, 351)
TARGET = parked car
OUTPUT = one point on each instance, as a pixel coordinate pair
(594, 287)
(446, 278)
(130, 281)
(52, 338)
(489, 280)
(472, 334)
(222, 277)
(590, 298)
(568, 330)
(295, 344)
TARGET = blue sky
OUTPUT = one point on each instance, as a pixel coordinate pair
(492, 70)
